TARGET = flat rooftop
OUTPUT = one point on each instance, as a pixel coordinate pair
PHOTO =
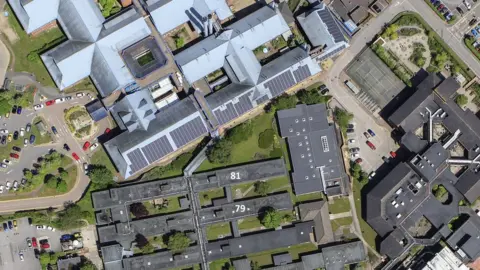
(239, 174)
(163, 260)
(241, 209)
(139, 192)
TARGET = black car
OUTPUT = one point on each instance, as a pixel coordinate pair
(37, 253)
(350, 130)
(15, 135)
(325, 91)
(10, 225)
(54, 129)
(5, 227)
(16, 148)
(376, 8)
(322, 87)
(473, 21)
(66, 147)
(460, 10)
(14, 109)
(4, 139)
(19, 110)
(32, 139)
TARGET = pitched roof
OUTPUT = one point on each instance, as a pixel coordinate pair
(469, 185)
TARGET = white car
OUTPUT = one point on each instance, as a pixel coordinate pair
(94, 146)
(372, 174)
(59, 100)
(90, 96)
(44, 227)
(467, 4)
(21, 257)
(4, 131)
(39, 227)
(8, 185)
(355, 155)
(25, 142)
(3, 165)
(38, 107)
(80, 95)
(351, 141)
(6, 161)
(49, 228)
(85, 167)
(15, 185)
(1, 188)
(22, 132)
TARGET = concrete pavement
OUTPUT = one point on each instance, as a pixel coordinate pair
(4, 61)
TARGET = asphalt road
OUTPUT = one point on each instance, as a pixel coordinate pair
(4, 60)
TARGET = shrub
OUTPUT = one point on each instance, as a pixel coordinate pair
(62, 186)
(179, 41)
(265, 139)
(279, 42)
(138, 210)
(220, 151)
(33, 57)
(178, 241)
(461, 100)
(261, 188)
(408, 32)
(282, 102)
(312, 97)
(271, 218)
(241, 132)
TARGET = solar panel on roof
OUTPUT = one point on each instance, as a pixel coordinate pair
(243, 105)
(262, 99)
(188, 132)
(302, 73)
(279, 84)
(226, 115)
(157, 149)
(332, 26)
(137, 159)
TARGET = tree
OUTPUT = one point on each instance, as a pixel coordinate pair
(343, 118)
(241, 132)
(265, 139)
(271, 218)
(62, 186)
(138, 209)
(100, 176)
(312, 97)
(178, 241)
(283, 102)
(51, 181)
(63, 174)
(220, 151)
(179, 41)
(71, 218)
(255, 266)
(45, 258)
(88, 265)
(262, 187)
(5, 106)
(27, 174)
(363, 179)
(461, 100)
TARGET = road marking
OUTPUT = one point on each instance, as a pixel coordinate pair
(9, 171)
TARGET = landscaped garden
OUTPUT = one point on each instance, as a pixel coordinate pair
(109, 7)
(178, 38)
(79, 122)
(409, 44)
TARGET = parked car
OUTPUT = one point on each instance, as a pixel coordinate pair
(473, 21)
(68, 98)
(79, 95)
(39, 227)
(22, 132)
(86, 145)
(350, 126)
(107, 130)
(65, 237)
(366, 135)
(372, 174)
(14, 109)
(354, 150)
(10, 225)
(4, 139)
(376, 8)
(385, 159)
(50, 102)
(5, 227)
(440, 7)
(15, 135)
(15, 186)
(7, 115)
(32, 139)
(21, 257)
(75, 156)
(351, 141)
(1, 188)
(59, 100)
(8, 185)
(34, 241)
(3, 165)
(94, 146)
(54, 130)
(19, 110)
(358, 160)
(356, 155)
(66, 147)
(44, 244)
(14, 155)
(6, 161)
(350, 130)
(460, 10)
(38, 107)
(393, 154)
(16, 148)
(371, 132)
(28, 127)
(25, 142)
(85, 167)
(371, 145)
(467, 4)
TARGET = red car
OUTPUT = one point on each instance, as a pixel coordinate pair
(393, 154)
(370, 144)
(50, 102)
(75, 156)
(107, 131)
(86, 145)
(34, 242)
(358, 160)
(14, 155)
(45, 245)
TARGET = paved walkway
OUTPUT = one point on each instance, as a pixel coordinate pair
(4, 61)
(341, 215)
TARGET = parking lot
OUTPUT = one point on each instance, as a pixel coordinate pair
(462, 26)
(13, 242)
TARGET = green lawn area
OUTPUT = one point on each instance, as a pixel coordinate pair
(219, 264)
(213, 231)
(337, 223)
(254, 222)
(339, 205)
(276, 185)
(368, 233)
(309, 197)
(173, 206)
(210, 194)
(174, 168)
(157, 241)
(86, 205)
(39, 138)
(38, 44)
(100, 157)
(83, 85)
(292, 4)
(265, 258)
(248, 151)
(72, 177)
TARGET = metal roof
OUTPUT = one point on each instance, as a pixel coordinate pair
(96, 110)
(467, 238)
(469, 185)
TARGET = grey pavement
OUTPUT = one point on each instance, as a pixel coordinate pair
(4, 60)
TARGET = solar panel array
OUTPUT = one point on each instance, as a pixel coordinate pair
(279, 84)
(301, 73)
(244, 105)
(228, 114)
(262, 99)
(332, 25)
(137, 159)
(157, 149)
(332, 53)
(188, 132)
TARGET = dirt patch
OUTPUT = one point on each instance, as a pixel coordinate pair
(6, 29)
(181, 36)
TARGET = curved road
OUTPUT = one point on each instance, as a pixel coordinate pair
(339, 92)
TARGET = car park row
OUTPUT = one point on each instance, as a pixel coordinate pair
(61, 100)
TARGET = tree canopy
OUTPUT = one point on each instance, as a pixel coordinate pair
(271, 218)
(342, 117)
(178, 241)
(283, 102)
(461, 100)
(261, 188)
(241, 132)
(265, 139)
(220, 151)
(100, 176)
(310, 97)
(138, 209)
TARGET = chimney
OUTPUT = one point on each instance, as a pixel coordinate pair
(210, 24)
(205, 27)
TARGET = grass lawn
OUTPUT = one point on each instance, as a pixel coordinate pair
(213, 231)
(368, 233)
(337, 223)
(157, 241)
(309, 197)
(265, 258)
(100, 157)
(86, 205)
(38, 44)
(292, 4)
(83, 85)
(39, 139)
(211, 194)
(276, 185)
(219, 264)
(173, 206)
(339, 205)
(248, 151)
(72, 177)
(254, 222)
(175, 168)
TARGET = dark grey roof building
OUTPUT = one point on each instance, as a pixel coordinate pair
(96, 110)
(318, 212)
(312, 142)
(407, 194)
(69, 264)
